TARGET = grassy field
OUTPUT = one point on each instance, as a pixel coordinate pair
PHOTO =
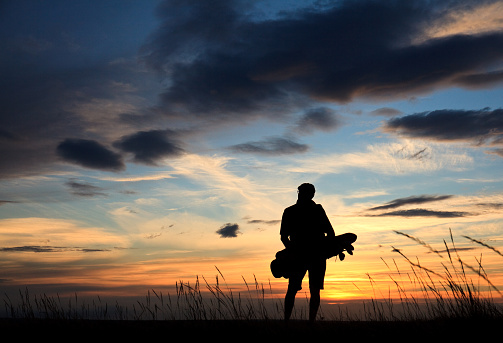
(450, 305)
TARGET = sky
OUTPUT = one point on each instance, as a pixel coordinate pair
(147, 142)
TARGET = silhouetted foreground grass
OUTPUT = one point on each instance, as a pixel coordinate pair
(450, 305)
(250, 330)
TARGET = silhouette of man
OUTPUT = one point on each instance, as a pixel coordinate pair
(303, 227)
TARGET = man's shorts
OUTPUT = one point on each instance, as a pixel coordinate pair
(316, 268)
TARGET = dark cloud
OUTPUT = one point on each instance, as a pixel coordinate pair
(69, 73)
(422, 213)
(221, 63)
(271, 146)
(47, 249)
(84, 189)
(8, 136)
(481, 126)
(411, 200)
(266, 222)
(498, 152)
(480, 80)
(495, 206)
(321, 118)
(3, 202)
(41, 108)
(386, 111)
(228, 230)
(417, 212)
(32, 115)
(148, 147)
(89, 154)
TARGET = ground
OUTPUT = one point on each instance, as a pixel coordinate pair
(247, 331)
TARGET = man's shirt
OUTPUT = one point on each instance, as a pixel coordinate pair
(305, 223)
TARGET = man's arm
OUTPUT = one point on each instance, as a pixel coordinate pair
(285, 237)
(285, 240)
(327, 226)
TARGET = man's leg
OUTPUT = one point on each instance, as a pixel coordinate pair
(294, 285)
(316, 283)
(314, 304)
(289, 302)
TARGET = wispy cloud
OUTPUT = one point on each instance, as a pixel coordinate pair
(3, 202)
(419, 212)
(266, 222)
(84, 189)
(48, 249)
(365, 194)
(391, 158)
(482, 208)
(271, 146)
(147, 176)
(68, 238)
(386, 111)
(422, 199)
(468, 18)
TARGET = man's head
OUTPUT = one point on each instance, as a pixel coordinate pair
(306, 191)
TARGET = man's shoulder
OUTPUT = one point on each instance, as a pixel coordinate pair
(290, 208)
(296, 207)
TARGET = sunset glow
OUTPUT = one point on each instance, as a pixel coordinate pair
(148, 143)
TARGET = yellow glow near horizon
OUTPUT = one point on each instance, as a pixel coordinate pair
(374, 271)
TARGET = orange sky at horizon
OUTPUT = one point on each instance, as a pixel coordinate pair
(148, 143)
(372, 272)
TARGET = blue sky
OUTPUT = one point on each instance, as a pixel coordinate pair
(144, 142)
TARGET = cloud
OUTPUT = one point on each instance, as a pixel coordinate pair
(3, 202)
(386, 111)
(480, 80)
(495, 206)
(466, 17)
(423, 213)
(221, 63)
(478, 127)
(498, 152)
(48, 249)
(314, 119)
(89, 154)
(271, 146)
(411, 200)
(228, 230)
(58, 96)
(68, 238)
(84, 189)
(392, 158)
(451, 125)
(320, 118)
(148, 147)
(267, 222)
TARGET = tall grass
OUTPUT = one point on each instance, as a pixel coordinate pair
(456, 290)
(196, 301)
